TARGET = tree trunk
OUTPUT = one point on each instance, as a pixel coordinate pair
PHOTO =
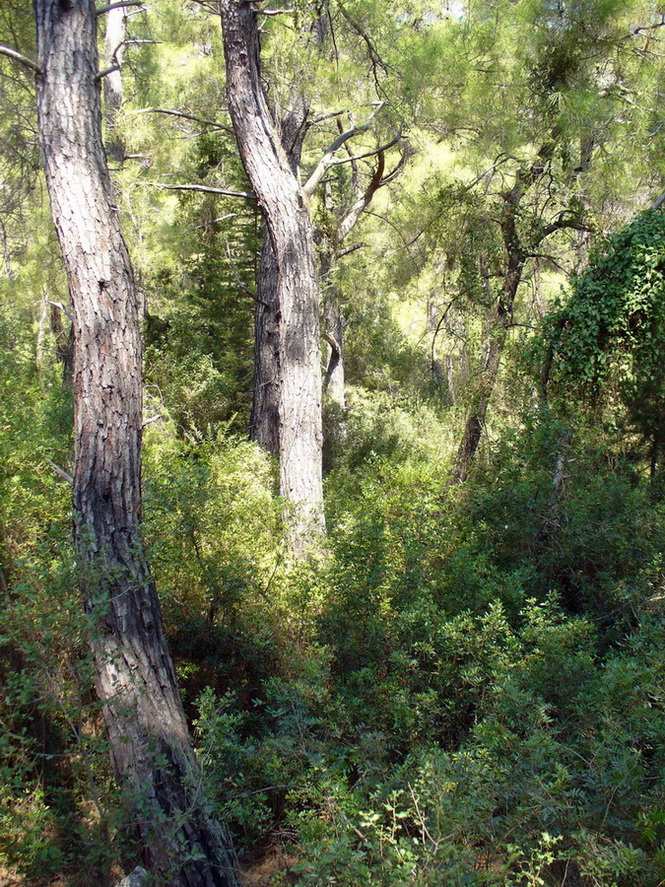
(333, 379)
(183, 844)
(114, 49)
(515, 259)
(331, 250)
(475, 420)
(334, 384)
(264, 420)
(497, 335)
(41, 336)
(286, 213)
(64, 342)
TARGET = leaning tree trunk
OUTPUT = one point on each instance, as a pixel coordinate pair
(516, 258)
(286, 213)
(184, 846)
(497, 337)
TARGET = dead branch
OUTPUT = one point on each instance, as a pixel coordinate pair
(339, 161)
(106, 71)
(185, 116)
(205, 189)
(61, 472)
(328, 157)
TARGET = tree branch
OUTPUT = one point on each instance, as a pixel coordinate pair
(379, 180)
(350, 249)
(559, 224)
(350, 219)
(397, 169)
(441, 322)
(641, 29)
(657, 205)
(19, 57)
(322, 117)
(205, 189)
(61, 472)
(375, 59)
(119, 5)
(367, 154)
(501, 159)
(328, 157)
(334, 344)
(355, 171)
(169, 113)
(62, 308)
(106, 71)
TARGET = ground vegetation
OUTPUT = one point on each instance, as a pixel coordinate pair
(455, 678)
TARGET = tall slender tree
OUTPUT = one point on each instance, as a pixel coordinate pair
(286, 212)
(150, 747)
(516, 250)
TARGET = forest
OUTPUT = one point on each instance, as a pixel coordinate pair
(332, 443)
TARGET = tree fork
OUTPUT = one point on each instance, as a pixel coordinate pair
(284, 206)
(184, 846)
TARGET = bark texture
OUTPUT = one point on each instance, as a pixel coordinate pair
(264, 420)
(150, 746)
(287, 218)
(334, 385)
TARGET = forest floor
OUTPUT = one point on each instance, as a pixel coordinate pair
(253, 873)
(261, 872)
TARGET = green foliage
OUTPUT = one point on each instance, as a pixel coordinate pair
(212, 525)
(58, 808)
(199, 325)
(442, 725)
(19, 162)
(607, 340)
(468, 687)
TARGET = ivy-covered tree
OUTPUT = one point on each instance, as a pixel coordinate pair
(538, 177)
(606, 342)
